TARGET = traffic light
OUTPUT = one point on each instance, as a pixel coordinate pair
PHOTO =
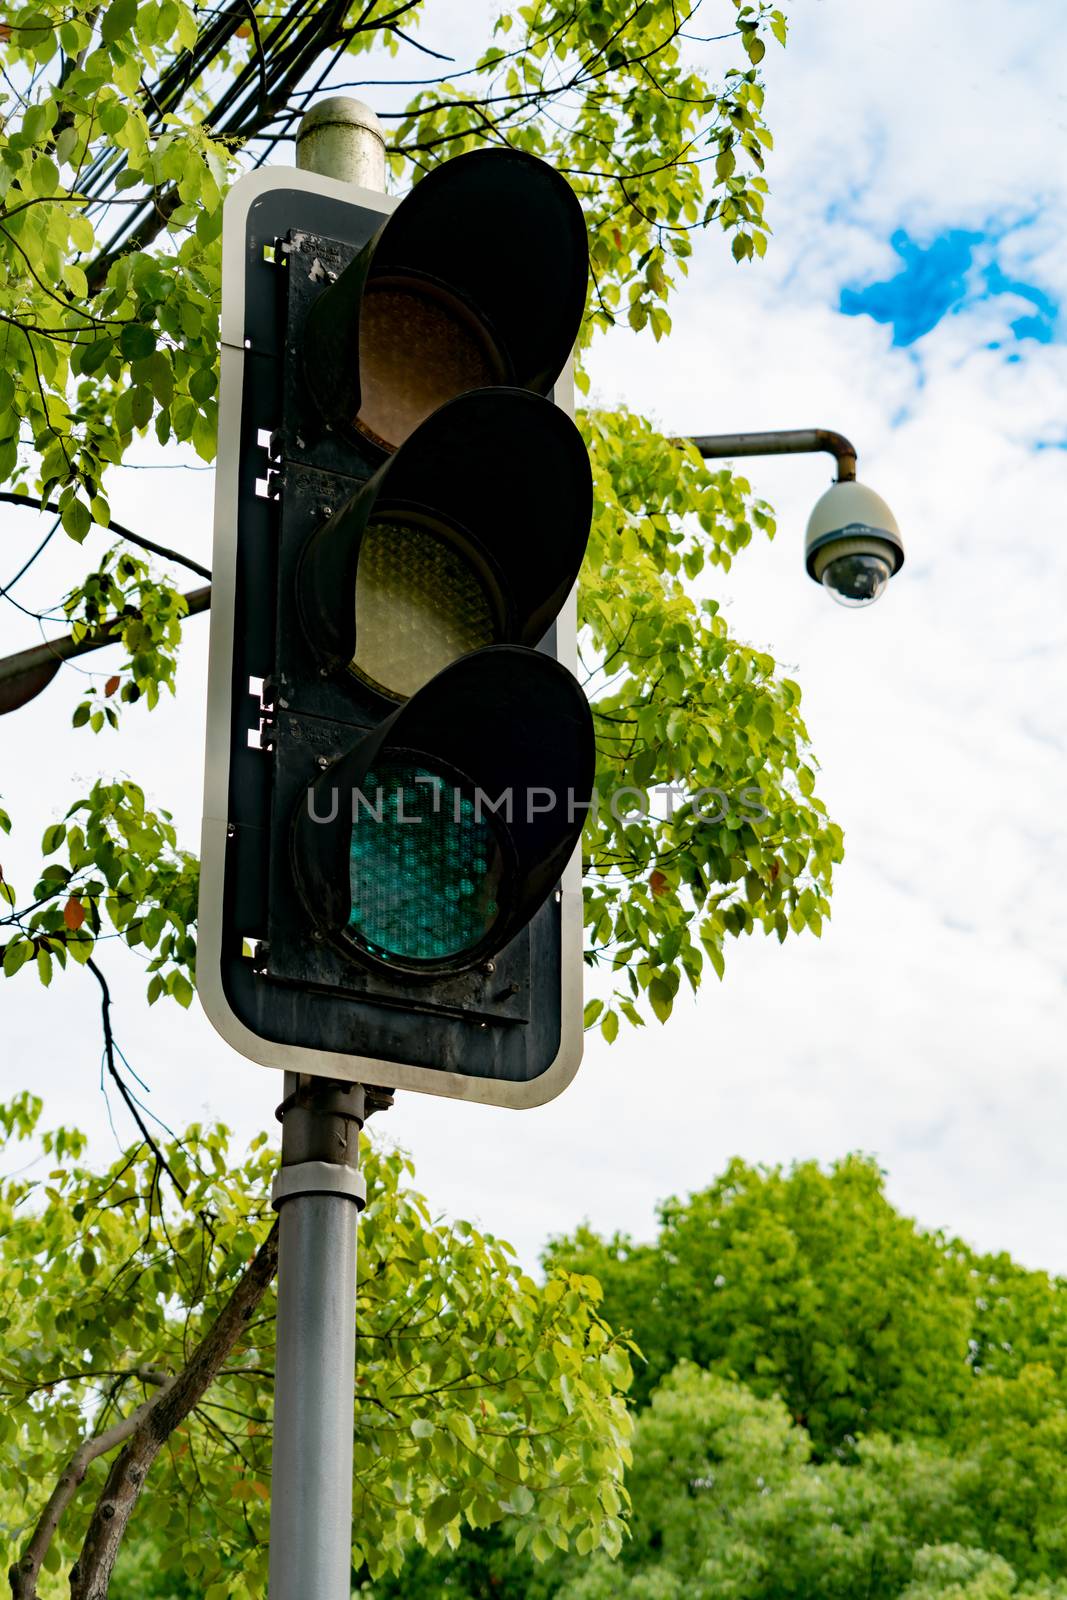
(400, 759)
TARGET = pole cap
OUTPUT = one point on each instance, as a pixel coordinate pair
(342, 138)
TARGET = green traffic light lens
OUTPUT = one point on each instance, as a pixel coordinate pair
(419, 345)
(421, 603)
(425, 866)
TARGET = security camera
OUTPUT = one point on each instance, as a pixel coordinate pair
(853, 545)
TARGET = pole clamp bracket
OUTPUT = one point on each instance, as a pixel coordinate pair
(319, 1177)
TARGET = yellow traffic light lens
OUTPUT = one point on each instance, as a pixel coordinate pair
(425, 868)
(420, 604)
(418, 347)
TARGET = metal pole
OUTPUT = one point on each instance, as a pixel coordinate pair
(319, 1193)
(784, 442)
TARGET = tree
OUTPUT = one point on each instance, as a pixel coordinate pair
(1015, 1433)
(775, 1310)
(952, 1572)
(728, 1505)
(806, 1284)
(480, 1396)
(123, 126)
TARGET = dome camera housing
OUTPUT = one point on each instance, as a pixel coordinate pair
(853, 545)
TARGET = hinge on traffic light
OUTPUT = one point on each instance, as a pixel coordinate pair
(261, 736)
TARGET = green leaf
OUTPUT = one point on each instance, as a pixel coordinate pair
(461, 1426)
(92, 357)
(609, 1027)
(182, 989)
(592, 1011)
(137, 341)
(76, 519)
(202, 384)
(53, 838)
(66, 144)
(542, 1545)
(112, 118)
(40, 115)
(75, 280)
(616, 1365)
(81, 231)
(142, 407)
(16, 954)
(660, 998)
(444, 1509)
(44, 176)
(118, 21)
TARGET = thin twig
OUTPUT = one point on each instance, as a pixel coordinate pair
(137, 539)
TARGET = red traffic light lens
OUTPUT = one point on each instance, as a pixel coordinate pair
(419, 346)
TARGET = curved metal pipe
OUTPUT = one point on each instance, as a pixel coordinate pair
(784, 442)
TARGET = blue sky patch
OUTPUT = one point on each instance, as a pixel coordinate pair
(956, 271)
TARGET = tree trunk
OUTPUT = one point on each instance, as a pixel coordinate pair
(90, 1577)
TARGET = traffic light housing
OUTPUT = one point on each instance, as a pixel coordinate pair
(400, 758)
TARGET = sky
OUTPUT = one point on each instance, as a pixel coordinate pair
(912, 298)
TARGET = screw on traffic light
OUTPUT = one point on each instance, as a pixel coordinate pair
(389, 894)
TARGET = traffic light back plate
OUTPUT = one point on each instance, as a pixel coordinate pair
(485, 1036)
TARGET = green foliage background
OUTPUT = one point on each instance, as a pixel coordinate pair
(831, 1403)
(481, 1396)
(827, 1401)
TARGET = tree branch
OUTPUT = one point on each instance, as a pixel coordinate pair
(23, 1573)
(137, 539)
(91, 1574)
(162, 1164)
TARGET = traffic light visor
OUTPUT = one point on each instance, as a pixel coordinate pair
(471, 534)
(478, 278)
